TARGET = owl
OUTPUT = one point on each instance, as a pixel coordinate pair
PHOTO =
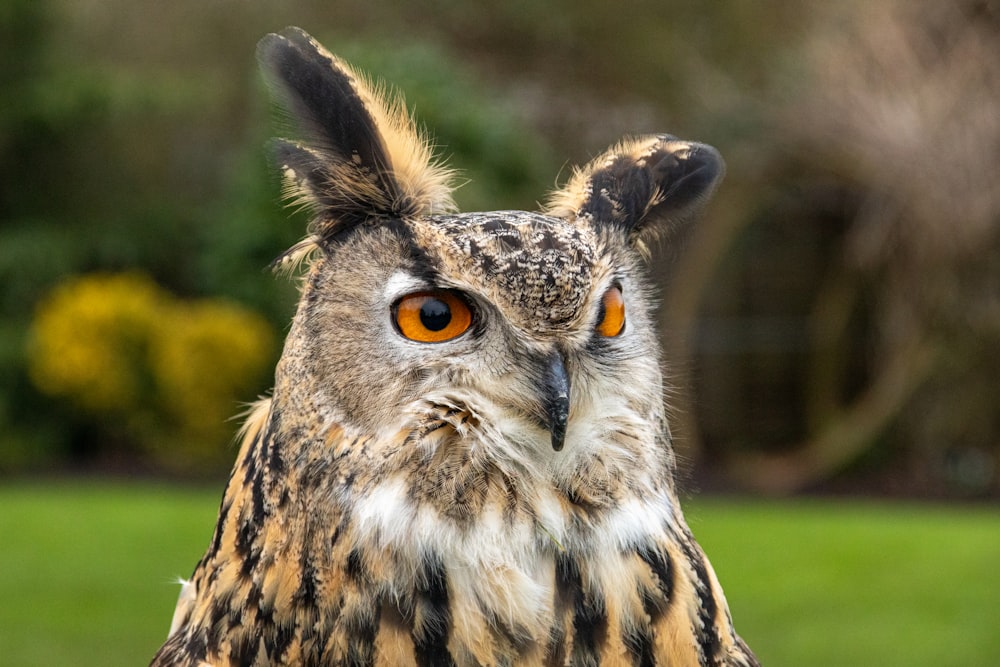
(465, 458)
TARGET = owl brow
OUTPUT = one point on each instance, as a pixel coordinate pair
(423, 265)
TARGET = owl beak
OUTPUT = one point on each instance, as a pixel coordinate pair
(556, 393)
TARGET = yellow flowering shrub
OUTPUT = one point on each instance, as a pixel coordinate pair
(90, 337)
(168, 372)
(204, 357)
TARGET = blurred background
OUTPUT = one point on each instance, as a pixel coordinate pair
(832, 324)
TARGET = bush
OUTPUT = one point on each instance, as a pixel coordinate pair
(155, 374)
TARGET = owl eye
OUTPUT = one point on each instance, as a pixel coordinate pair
(611, 317)
(432, 317)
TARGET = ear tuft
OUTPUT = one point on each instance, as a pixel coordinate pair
(361, 156)
(647, 186)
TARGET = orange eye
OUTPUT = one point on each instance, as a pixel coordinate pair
(432, 317)
(611, 317)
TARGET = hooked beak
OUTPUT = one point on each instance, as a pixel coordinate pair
(556, 398)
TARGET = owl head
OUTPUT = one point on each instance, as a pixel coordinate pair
(528, 334)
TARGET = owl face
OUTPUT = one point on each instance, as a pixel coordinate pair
(532, 322)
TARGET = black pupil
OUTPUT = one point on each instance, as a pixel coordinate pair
(435, 314)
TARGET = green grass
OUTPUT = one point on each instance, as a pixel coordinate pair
(87, 575)
(88, 571)
(858, 583)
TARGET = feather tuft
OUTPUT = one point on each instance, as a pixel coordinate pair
(361, 157)
(646, 186)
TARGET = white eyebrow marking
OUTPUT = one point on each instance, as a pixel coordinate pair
(400, 283)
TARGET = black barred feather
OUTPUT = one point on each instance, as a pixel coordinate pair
(322, 97)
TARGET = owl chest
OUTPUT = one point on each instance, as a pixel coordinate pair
(388, 580)
(508, 587)
(498, 561)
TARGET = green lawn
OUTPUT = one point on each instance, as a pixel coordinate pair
(853, 583)
(87, 570)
